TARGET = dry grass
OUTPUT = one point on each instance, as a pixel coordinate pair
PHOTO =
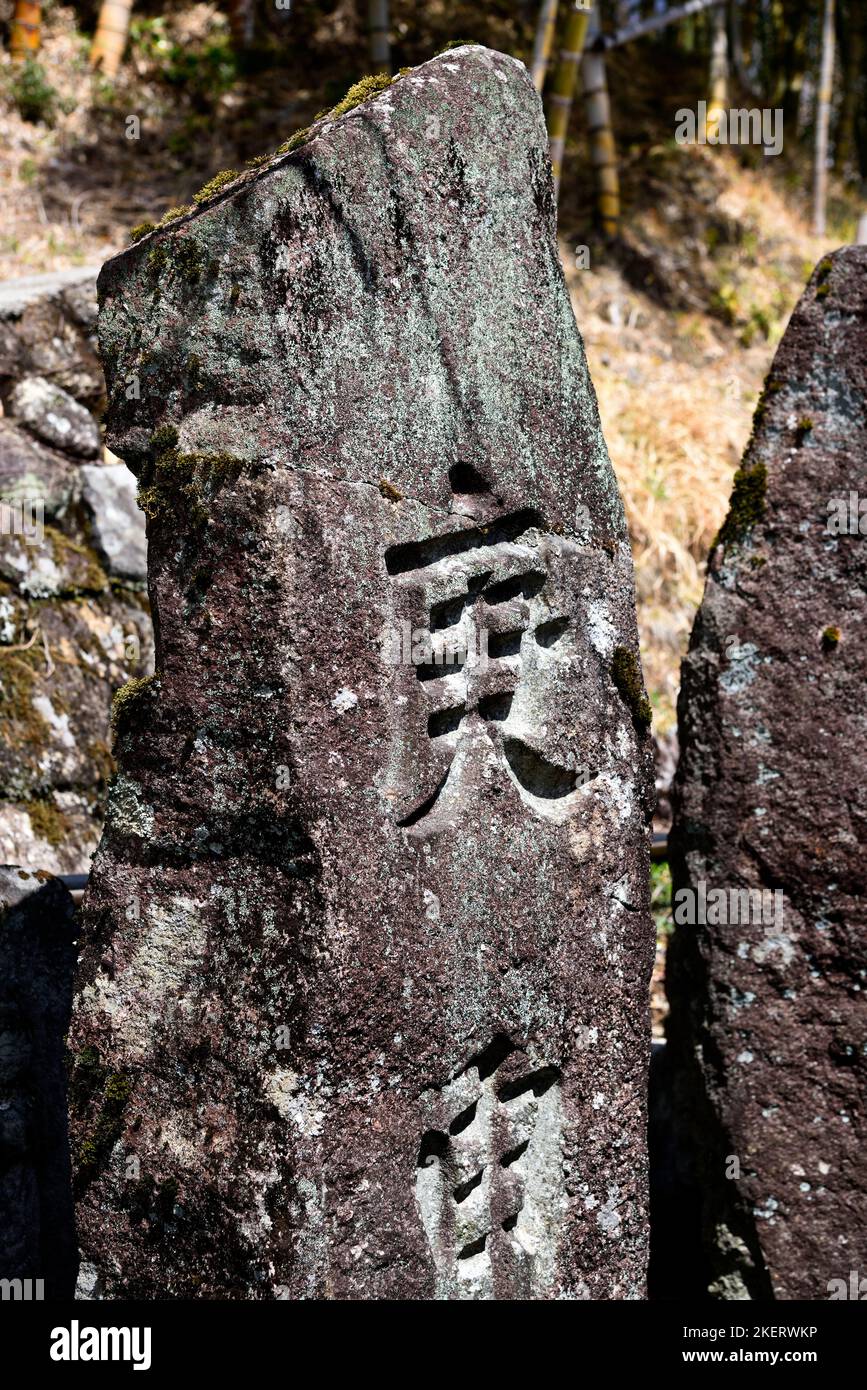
(677, 393)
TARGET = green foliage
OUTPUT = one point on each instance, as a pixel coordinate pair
(204, 72)
(32, 93)
(660, 899)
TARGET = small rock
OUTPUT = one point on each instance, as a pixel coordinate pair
(29, 471)
(118, 525)
(54, 416)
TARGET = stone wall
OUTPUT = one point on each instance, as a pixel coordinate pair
(74, 621)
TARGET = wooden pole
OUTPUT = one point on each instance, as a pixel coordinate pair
(545, 31)
(823, 112)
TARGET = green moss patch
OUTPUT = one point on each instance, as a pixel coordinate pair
(215, 185)
(48, 821)
(20, 723)
(182, 486)
(95, 1150)
(142, 229)
(627, 677)
(173, 214)
(362, 91)
(747, 505)
(126, 698)
(803, 429)
(77, 561)
(823, 277)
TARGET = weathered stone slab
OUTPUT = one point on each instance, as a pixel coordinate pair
(368, 937)
(767, 1030)
(37, 960)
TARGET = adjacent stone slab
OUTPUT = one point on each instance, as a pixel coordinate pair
(768, 1023)
(117, 524)
(37, 959)
(55, 417)
(368, 937)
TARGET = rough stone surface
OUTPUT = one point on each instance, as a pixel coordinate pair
(47, 329)
(28, 469)
(767, 1029)
(37, 961)
(116, 522)
(369, 941)
(74, 621)
(55, 417)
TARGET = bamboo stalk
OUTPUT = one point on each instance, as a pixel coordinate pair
(719, 74)
(241, 24)
(563, 87)
(378, 29)
(26, 30)
(823, 112)
(545, 31)
(603, 152)
(109, 41)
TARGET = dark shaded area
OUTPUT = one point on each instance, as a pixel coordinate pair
(37, 962)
